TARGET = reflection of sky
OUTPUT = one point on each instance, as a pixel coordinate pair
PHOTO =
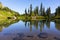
(20, 5)
(52, 30)
(21, 28)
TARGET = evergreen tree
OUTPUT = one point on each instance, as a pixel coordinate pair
(44, 14)
(37, 10)
(30, 9)
(57, 11)
(41, 9)
(25, 12)
(48, 12)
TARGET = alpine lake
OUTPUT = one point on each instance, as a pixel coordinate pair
(31, 30)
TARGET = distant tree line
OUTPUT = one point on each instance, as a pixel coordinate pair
(42, 12)
(57, 13)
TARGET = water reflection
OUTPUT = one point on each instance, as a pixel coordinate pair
(57, 24)
(41, 24)
(36, 24)
(30, 29)
(6, 24)
(48, 24)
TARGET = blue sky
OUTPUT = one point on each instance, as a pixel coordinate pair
(20, 5)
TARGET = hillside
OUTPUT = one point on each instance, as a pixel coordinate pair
(6, 13)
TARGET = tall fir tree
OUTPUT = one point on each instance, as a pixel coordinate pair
(48, 11)
(44, 13)
(41, 9)
(30, 9)
(36, 10)
(25, 12)
(57, 13)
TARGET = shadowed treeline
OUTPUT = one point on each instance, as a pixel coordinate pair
(40, 13)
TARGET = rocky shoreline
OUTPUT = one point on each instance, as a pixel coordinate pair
(41, 36)
(22, 36)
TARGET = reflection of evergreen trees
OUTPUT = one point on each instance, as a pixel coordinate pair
(38, 23)
(42, 24)
(30, 26)
(48, 23)
(25, 23)
(57, 24)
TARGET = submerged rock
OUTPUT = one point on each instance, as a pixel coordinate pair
(42, 35)
(56, 38)
(29, 36)
(19, 37)
(20, 34)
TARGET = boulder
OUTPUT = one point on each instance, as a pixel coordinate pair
(42, 35)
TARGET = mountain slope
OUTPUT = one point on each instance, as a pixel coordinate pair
(6, 13)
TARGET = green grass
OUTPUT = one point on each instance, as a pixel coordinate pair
(57, 17)
(40, 17)
(5, 14)
(30, 17)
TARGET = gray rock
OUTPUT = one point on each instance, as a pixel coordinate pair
(20, 34)
(42, 35)
(56, 38)
(29, 36)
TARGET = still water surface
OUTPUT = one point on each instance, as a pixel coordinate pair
(30, 29)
